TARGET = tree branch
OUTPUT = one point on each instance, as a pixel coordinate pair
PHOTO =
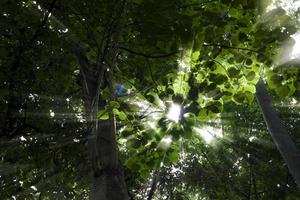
(153, 185)
(46, 17)
(230, 47)
(147, 55)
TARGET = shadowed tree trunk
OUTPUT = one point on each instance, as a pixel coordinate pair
(108, 181)
(282, 140)
(107, 174)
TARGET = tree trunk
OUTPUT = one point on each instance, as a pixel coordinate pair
(108, 181)
(282, 140)
(108, 178)
(107, 175)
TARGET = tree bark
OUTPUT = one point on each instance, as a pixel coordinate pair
(281, 138)
(108, 181)
(108, 178)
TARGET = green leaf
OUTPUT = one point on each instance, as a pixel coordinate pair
(122, 116)
(233, 72)
(103, 115)
(242, 37)
(220, 79)
(133, 164)
(249, 96)
(214, 106)
(193, 93)
(170, 91)
(134, 143)
(239, 98)
(283, 90)
(250, 76)
(214, 93)
(150, 98)
(174, 156)
(249, 61)
(114, 104)
(145, 172)
(115, 111)
(203, 114)
(195, 55)
(250, 88)
(277, 79)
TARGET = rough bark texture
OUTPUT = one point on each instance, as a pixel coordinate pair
(282, 140)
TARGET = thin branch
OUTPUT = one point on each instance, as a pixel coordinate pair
(195, 4)
(147, 55)
(151, 73)
(153, 185)
(215, 61)
(83, 64)
(231, 47)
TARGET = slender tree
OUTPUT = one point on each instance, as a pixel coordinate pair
(282, 140)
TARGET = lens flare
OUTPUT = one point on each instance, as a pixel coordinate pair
(174, 112)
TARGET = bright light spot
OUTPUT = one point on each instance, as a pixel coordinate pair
(293, 101)
(183, 65)
(151, 124)
(209, 133)
(63, 30)
(80, 118)
(205, 98)
(76, 140)
(22, 138)
(165, 142)
(52, 114)
(33, 188)
(150, 112)
(289, 5)
(142, 104)
(175, 170)
(67, 99)
(32, 97)
(296, 48)
(252, 138)
(174, 112)
(21, 183)
(161, 104)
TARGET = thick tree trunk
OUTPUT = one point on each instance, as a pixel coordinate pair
(108, 178)
(108, 181)
(107, 174)
(282, 140)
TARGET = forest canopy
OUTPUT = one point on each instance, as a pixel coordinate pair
(149, 99)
